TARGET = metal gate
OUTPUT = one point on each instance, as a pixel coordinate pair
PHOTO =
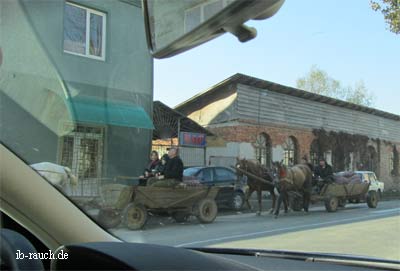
(82, 152)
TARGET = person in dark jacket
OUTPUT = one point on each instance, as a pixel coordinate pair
(151, 169)
(161, 167)
(324, 171)
(173, 171)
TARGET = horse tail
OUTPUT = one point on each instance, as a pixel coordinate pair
(276, 191)
(73, 179)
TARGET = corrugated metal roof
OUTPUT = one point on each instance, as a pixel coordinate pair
(165, 120)
(263, 84)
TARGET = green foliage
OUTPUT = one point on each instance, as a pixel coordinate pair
(391, 12)
(319, 82)
(396, 171)
(342, 145)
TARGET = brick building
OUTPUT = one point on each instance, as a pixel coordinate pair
(257, 119)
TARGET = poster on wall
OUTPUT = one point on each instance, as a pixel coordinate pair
(192, 139)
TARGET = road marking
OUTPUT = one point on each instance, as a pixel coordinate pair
(387, 211)
(279, 230)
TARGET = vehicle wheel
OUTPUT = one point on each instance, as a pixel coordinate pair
(109, 218)
(331, 204)
(135, 216)
(379, 194)
(296, 203)
(342, 203)
(237, 201)
(372, 199)
(180, 217)
(207, 210)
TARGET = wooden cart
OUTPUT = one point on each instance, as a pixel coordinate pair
(336, 195)
(113, 200)
(179, 202)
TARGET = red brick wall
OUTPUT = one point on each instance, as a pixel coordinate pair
(278, 135)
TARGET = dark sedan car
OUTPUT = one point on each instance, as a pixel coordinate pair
(231, 193)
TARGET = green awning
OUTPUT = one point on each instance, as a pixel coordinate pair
(105, 112)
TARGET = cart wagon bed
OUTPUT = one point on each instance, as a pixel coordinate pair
(180, 202)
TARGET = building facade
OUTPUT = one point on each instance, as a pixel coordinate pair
(76, 85)
(257, 119)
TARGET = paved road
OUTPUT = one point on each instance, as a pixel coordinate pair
(356, 229)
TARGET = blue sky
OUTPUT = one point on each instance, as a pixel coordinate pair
(345, 38)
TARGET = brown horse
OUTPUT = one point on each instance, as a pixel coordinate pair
(255, 168)
(297, 178)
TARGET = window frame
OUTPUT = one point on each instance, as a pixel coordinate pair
(77, 136)
(89, 11)
(216, 179)
(263, 149)
(372, 177)
(288, 152)
(366, 177)
(201, 172)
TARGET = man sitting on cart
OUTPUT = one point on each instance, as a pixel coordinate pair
(323, 172)
(173, 171)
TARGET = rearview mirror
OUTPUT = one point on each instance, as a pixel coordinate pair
(175, 26)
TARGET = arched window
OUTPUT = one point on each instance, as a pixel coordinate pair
(391, 163)
(263, 148)
(290, 151)
(372, 159)
(394, 162)
(314, 152)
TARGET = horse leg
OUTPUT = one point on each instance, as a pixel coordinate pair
(272, 192)
(248, 194)
(259, 196)
(307, 194)
(306, 200)
(280, 198)
(286, 204)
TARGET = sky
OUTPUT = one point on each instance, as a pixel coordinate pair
(347, 39)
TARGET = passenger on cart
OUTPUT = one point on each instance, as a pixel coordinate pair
(173, 171)
(152, 168)
(161, 167)
(324, 173)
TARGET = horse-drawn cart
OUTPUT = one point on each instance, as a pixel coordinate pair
(180, 202)
(336, 195)
(134, 203)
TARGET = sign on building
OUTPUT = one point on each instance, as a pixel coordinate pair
(192, 139)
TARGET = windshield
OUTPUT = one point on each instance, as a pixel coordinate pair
(190, 171)
(314, 94)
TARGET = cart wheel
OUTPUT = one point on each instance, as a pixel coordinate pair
(135, 216)
(331, 204)
(342, 203)
(109, 218)
(180, 217)
(372, 199)
(207, 210)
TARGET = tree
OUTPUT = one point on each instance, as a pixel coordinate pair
(391, 12)
(319, 82)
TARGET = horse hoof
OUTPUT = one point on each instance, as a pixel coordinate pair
(258, 213)
(276, 216)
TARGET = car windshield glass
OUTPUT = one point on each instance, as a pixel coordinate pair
(190, 171)
(274, 119)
